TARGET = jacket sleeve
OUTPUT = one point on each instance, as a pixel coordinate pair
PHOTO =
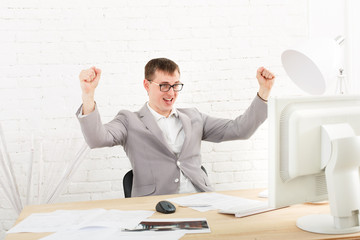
(99, 135)
(242, 127)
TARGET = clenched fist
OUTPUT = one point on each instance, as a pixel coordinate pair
(266, 82)
(89, 80)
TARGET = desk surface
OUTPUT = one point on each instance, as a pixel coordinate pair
(278, 224)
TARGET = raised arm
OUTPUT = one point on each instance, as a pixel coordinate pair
(95, 133)
(89, 79)
(242, 127)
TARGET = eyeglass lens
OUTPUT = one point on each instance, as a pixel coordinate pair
(166, 87)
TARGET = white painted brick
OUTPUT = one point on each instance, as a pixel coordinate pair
(225, 106)
(119, 163)
(247, 155)
(260, 164)
(233, 146)
(92, 164)
(249, 176)
(244, 165)
(20, 3)
(19, 24)
(231, 166)
(216, 157)
(103, 175)
(259, 185)
(8, 51)
(209, 96)
(37, 13)
(8, 36)
(79, 176)
(6, 12)
(232, 186)
(226, 177)
(85, 187)
(117, 185)
(8, 224)
(4, 201)
(8, 214)
(108, 195)
(74, 197)
(206, 147)
(62, 24)
(212, 54)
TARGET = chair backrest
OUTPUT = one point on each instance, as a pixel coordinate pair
(128, 182)
(202, 167)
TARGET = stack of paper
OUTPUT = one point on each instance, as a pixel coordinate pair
(113, 234)
(108, 225)
(65, 220)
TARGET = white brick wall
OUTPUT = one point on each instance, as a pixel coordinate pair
(217, 44)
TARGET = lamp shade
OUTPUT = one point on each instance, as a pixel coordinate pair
(313, 66)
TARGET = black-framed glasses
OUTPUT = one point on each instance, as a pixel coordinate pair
(165, 87)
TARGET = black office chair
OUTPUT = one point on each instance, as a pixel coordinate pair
(128, 182)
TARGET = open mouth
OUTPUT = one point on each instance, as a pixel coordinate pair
(168, 100)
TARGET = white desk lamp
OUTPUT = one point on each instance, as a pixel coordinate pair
(314, 66)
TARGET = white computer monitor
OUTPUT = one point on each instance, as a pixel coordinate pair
(314, 155)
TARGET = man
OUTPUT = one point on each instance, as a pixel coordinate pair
(162, 142)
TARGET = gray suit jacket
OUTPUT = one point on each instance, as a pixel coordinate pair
(155, 166)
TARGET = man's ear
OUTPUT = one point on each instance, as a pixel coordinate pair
(146, 85)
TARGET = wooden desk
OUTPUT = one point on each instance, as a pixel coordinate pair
(279, 224)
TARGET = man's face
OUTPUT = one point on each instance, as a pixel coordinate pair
(162, 102)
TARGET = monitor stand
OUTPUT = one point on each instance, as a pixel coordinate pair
(322, 223)
(343, 185)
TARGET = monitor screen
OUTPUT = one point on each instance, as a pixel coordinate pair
(299, 155)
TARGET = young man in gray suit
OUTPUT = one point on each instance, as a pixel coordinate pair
(162, 142)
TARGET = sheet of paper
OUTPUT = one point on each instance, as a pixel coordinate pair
(63, 220)
(167, 235)
(113, 234)
(214, 201)
(118, 219)
(59, 220)
(91, 233)
(149, 229)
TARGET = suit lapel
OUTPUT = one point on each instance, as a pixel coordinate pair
(186, 122)
(148, 119)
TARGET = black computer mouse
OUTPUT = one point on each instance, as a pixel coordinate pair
(165, 207)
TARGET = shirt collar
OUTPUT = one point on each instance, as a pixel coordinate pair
(159, 116)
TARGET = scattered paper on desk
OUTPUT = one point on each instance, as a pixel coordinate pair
(113, 234)
(214, 201)
(118, 219)
(54, 221)
(149, 229)
(91, 233)
(62, 220)
(170, 235)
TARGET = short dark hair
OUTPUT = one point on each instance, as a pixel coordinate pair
(160, 64)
